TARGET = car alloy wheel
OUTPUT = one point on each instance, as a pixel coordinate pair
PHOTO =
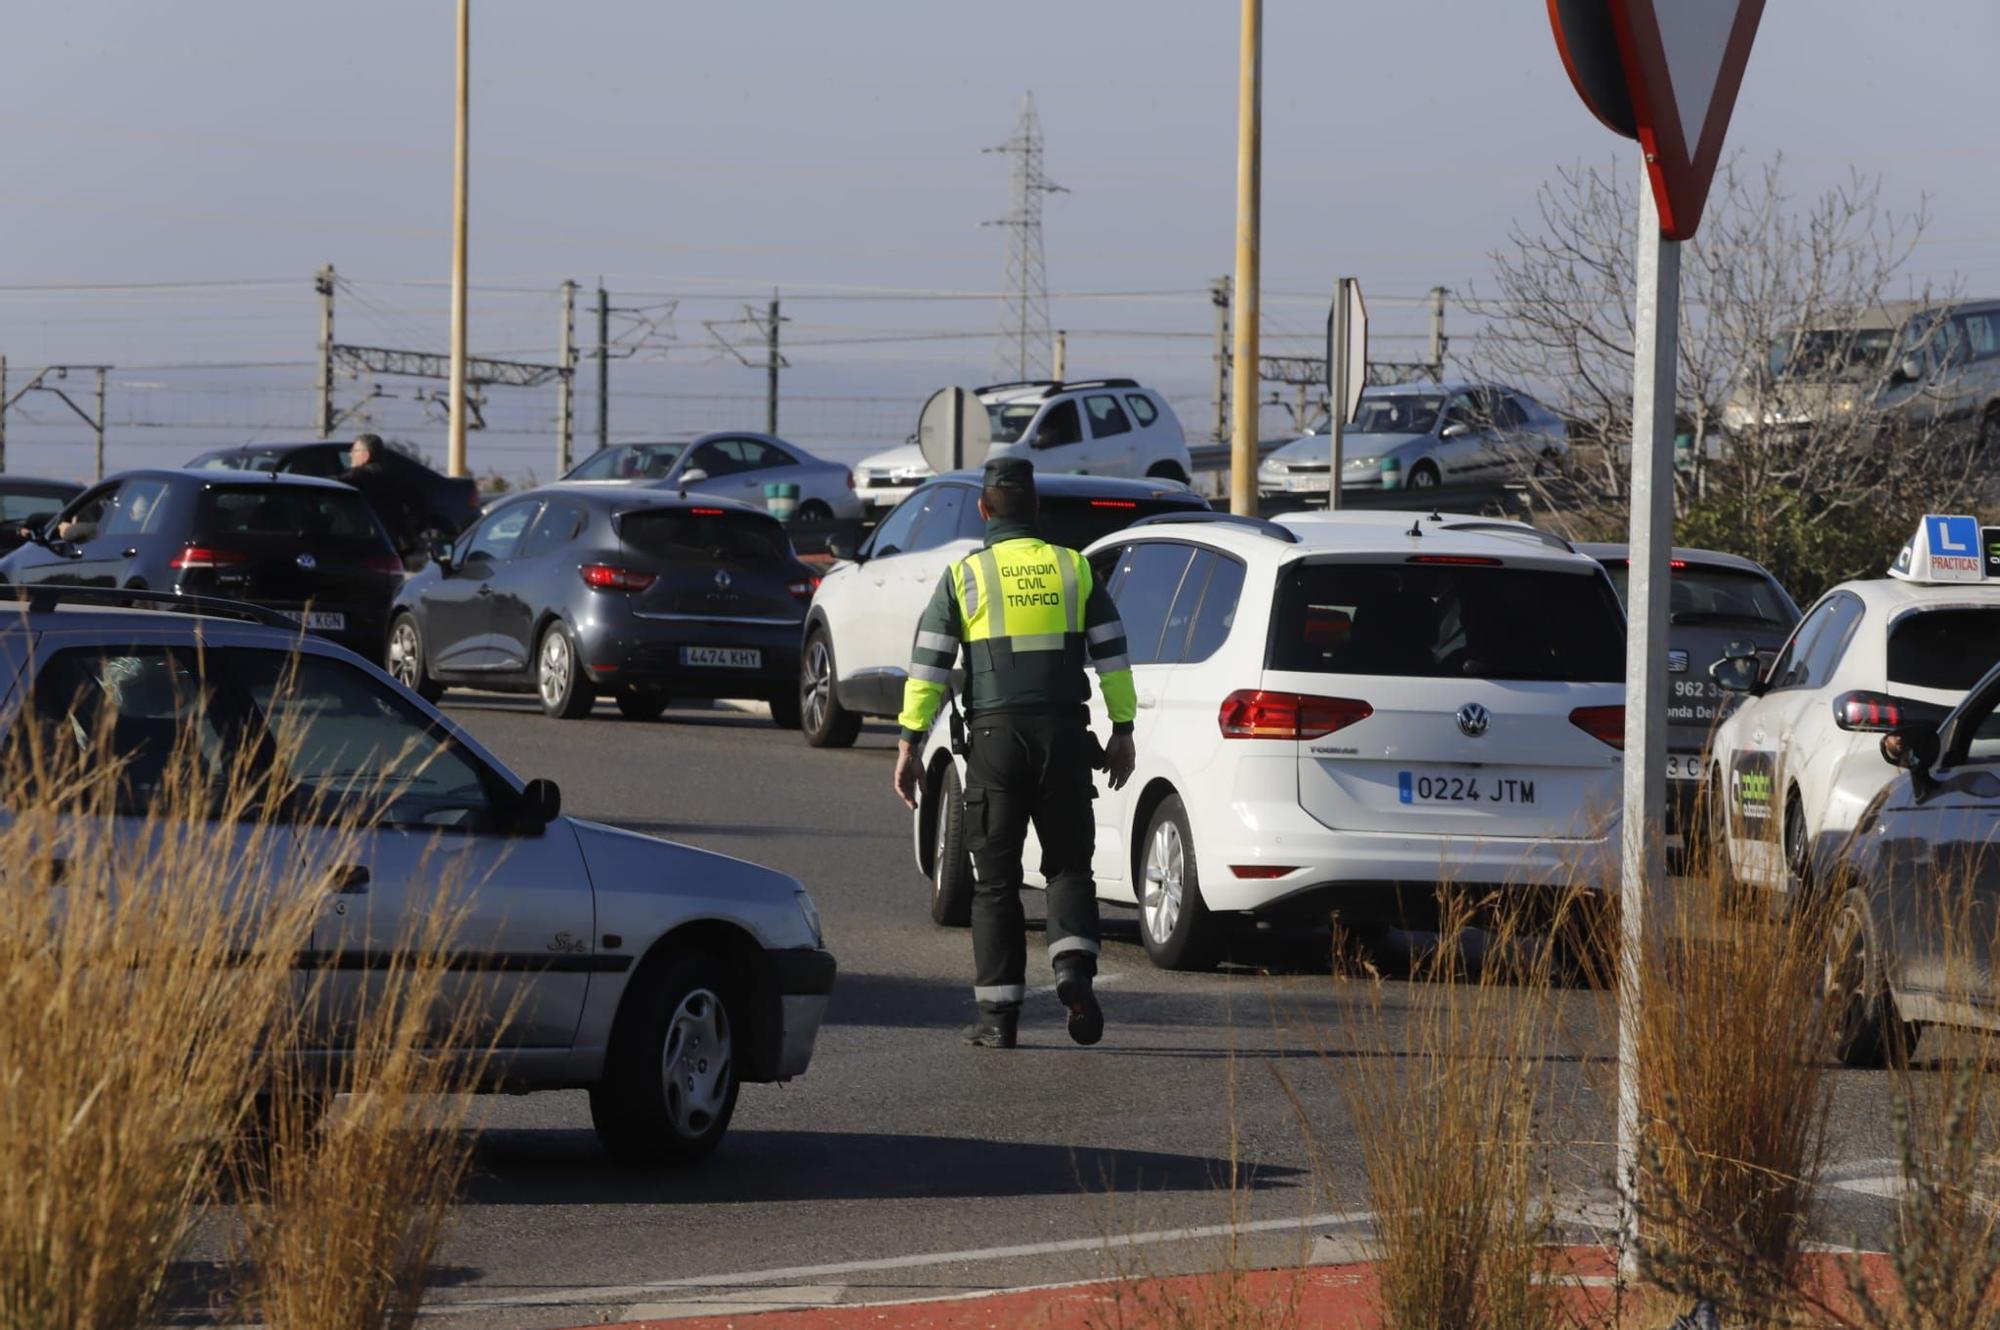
(1423, 476)
(696, 1063)
(819, 684)
(406, 664)
(558, 668)
(1166, 878)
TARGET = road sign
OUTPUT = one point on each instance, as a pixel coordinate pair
(1684, 62)
(1346, 372)
(953, 431)
(1587, 40)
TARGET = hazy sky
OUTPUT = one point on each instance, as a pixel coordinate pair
(720, 150)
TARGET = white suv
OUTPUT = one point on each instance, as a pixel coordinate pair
(1099, 427)
(863, 619)
(1340, 712)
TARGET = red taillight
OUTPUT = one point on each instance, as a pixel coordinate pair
(1604, 724)
(1868, 712)
(383, 563)
(803, 590)
(1677, 564)
(1253, 713)
(204, 556)
(1261, 872)
(1114, 503)
(706, 512)
(1457, 560)
(605, 577)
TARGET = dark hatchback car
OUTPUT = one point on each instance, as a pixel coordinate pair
(569, 591)
(313, 550)
(1714, 599)
(438, 507)
(1912, 943)
(27, 503)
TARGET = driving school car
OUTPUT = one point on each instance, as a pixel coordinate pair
(1790, 771)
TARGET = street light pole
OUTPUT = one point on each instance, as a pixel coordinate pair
(455, 440)
(1249, 194)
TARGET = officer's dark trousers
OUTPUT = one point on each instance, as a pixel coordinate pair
(1029, 767)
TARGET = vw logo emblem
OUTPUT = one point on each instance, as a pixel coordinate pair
(1473, 719)
(307, 562)
(721, 580)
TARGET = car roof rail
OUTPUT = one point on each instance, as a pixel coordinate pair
(1549, 538)
(1262, 526)
(1018, 383)
(1068, 384)
(42, 596)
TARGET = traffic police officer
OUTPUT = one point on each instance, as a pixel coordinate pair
(1027, 614)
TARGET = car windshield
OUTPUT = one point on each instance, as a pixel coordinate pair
(291, 512)
(1845, 355)
(1074, 521)
(1397, 413)
(704, 535)
(1707, 594)
(1448, 621)
(1950, 649)
(629, 461)
(1008, 419)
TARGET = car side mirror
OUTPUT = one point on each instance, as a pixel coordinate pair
(1915, 749)
(693, 476)
(1910, 370)
(440, 552)
(540, 804)
(1739, 669)
(843, 548)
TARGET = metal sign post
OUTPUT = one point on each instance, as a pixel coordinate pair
(1642, 863)
(1346, 373)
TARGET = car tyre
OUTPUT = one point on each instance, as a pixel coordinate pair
(1798, 853)
(786, 709)
(951, 862)
(1167, 471)
(559, 678)
(826, 723)
(670, 1078)
(812, 510)
(1174, 922)
(642, 706)
(1869, 1032)
(403, 658)
(1424, 475)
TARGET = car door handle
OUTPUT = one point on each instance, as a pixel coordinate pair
(351, 880)
(1148, 699)
(485, 590)
(129, 552)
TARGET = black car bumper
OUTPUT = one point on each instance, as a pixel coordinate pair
(695, 657)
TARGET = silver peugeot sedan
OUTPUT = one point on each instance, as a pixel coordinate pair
(657, 976)
(1420, 435)
(730, 466)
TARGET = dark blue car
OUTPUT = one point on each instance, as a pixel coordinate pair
(570, 591)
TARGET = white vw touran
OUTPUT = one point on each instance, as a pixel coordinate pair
(1339, 712)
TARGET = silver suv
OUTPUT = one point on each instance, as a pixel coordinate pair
(654, 975)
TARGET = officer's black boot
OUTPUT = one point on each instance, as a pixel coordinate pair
(1073, 990)
(995, 1027)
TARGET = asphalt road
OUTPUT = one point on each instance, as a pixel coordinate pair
(905, 1164)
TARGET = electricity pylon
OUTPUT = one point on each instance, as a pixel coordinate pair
(1023, 348)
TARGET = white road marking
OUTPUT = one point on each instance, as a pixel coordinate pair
(628, 1293)
(737, 1302)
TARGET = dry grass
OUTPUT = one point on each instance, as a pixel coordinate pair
(1734, 1090)
(150, 993)
(347, 1208)
(1447, 1126)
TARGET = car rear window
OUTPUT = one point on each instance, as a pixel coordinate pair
(1073, 521)
(287, 511)
(705, 535)
(1448, 621)
(1950, 649)
(1706, 594)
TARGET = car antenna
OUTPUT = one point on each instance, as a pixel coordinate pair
(1416, 527)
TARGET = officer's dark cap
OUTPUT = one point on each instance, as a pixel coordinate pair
(1009, 473)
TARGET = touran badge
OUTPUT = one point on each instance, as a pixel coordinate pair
(1473, 719)
(307, 562)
